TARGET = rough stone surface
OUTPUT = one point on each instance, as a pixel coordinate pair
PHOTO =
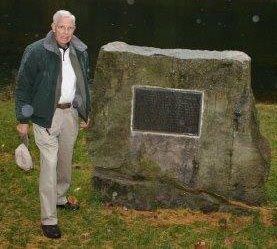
(230, 159)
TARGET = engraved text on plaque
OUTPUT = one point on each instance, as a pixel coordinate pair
(167, 110)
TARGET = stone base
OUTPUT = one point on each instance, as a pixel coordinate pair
(162, 193)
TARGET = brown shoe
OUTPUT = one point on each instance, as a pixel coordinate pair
(69, 206)
(51, 231)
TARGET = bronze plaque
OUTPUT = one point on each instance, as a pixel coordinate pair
(167, 110)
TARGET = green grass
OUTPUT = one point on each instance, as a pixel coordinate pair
(98, 226)
(268, 127)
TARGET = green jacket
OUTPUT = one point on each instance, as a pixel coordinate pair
(39, 81)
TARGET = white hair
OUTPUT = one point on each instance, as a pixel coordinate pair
(63, 13)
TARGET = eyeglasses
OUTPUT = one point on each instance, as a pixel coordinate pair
(64, 28)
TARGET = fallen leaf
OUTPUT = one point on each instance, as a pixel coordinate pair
(200, 245)
(109, 205)
(72, 199)
(229, 242)
(77, 189)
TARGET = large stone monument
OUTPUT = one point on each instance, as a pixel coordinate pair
(176, 127)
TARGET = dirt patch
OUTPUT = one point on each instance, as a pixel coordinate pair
(6, 157)
(169, 217)
(266, 216)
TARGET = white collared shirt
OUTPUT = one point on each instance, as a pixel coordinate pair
(68, 87)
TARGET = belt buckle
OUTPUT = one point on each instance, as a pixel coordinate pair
(64, 105)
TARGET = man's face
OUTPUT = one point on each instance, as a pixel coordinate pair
(63, 30)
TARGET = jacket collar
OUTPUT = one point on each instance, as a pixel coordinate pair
(51, 44)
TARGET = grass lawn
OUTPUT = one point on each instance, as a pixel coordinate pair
(98, 226)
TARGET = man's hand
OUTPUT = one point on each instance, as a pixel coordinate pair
(85, 125)
(22, 129)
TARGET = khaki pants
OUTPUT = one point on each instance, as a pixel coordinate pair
(56, 148)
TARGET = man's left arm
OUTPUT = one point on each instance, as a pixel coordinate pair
(84, 124)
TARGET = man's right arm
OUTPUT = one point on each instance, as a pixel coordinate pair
(24, 89)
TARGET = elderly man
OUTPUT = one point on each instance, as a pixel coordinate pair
(52, 89)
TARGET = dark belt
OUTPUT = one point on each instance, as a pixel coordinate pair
(64, 106)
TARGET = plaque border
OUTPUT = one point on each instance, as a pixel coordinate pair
(134, 132)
